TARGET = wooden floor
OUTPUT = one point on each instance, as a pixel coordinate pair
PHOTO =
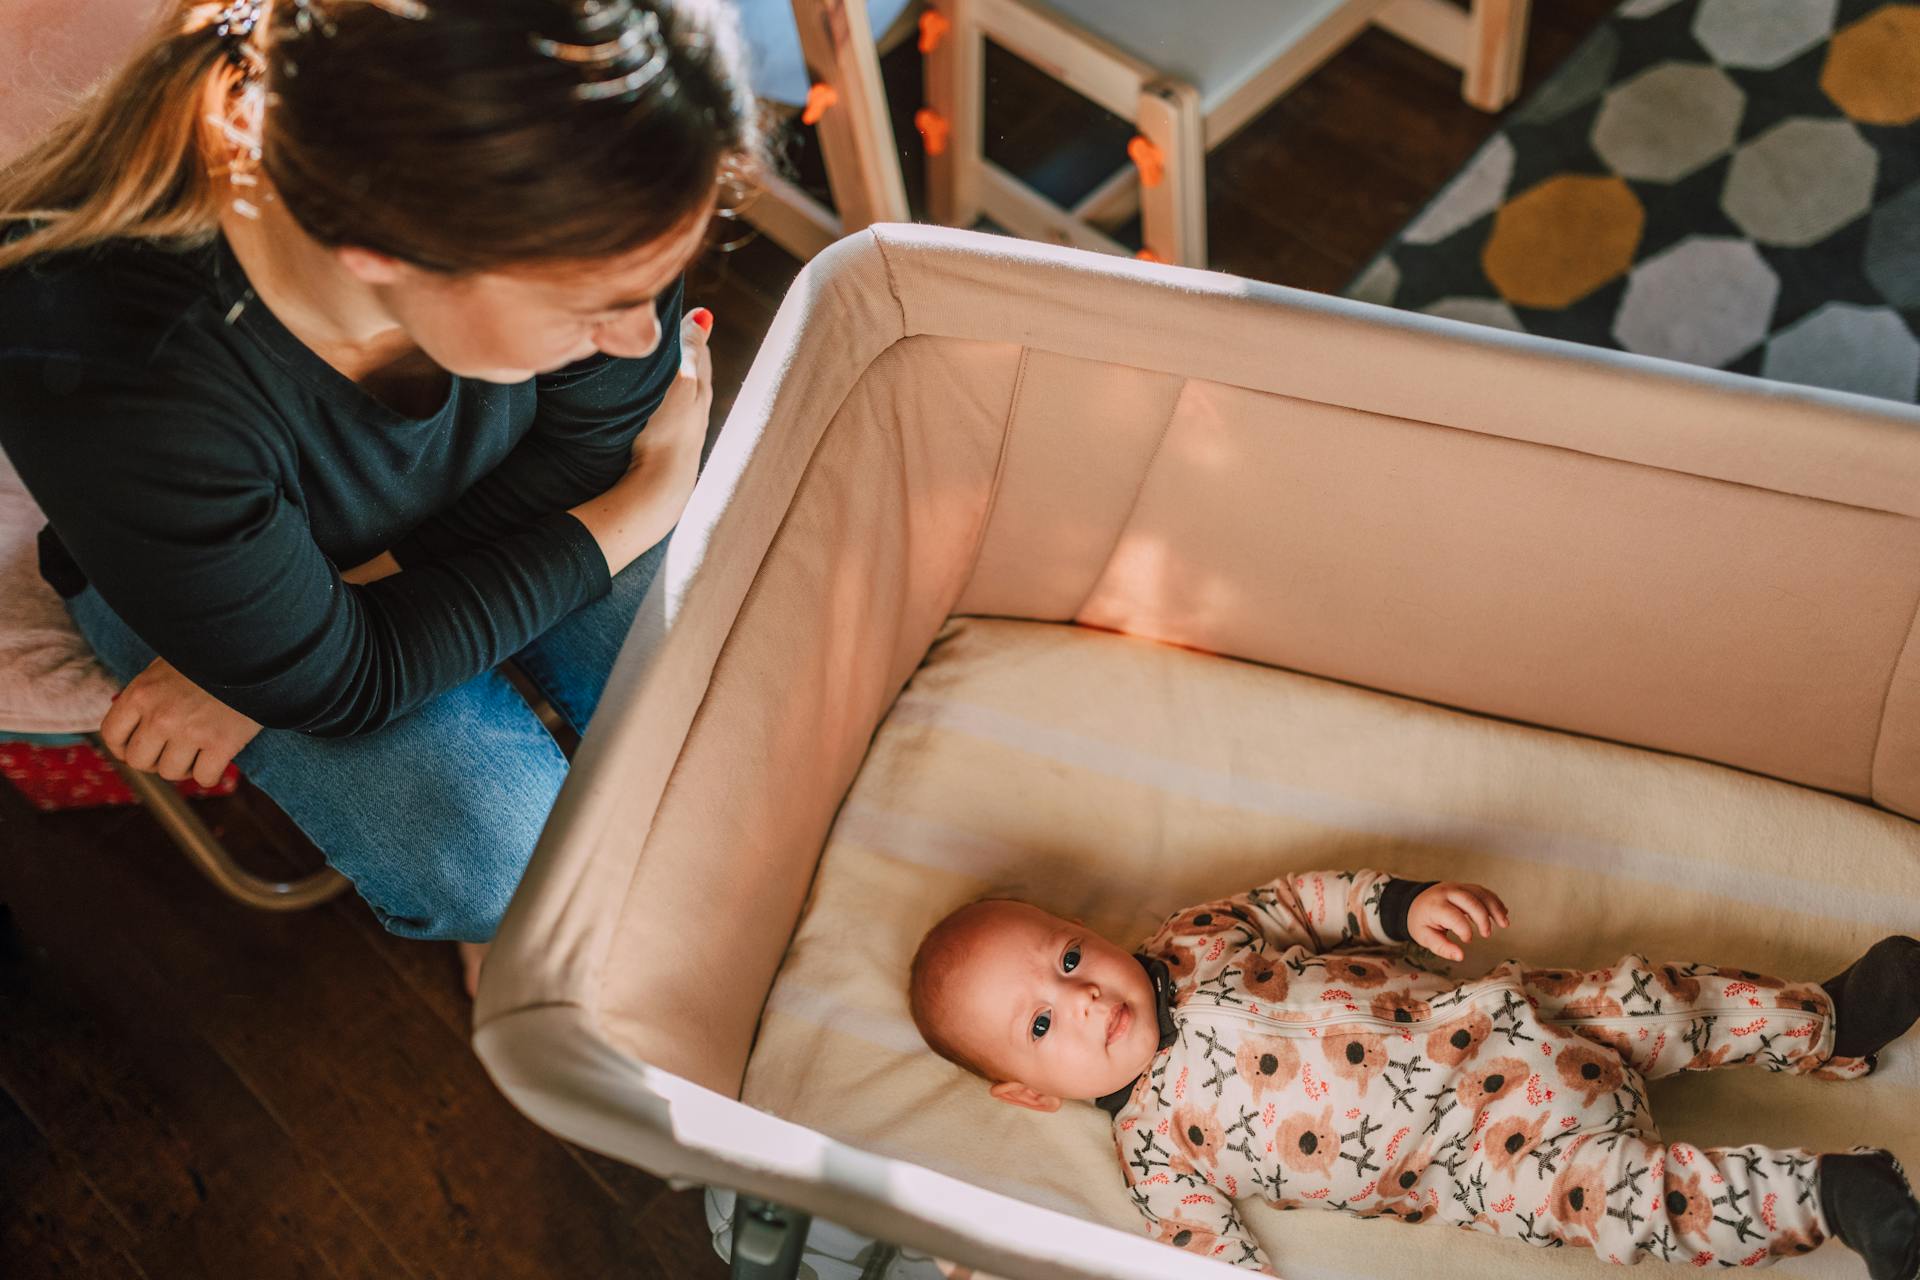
(189, 1089)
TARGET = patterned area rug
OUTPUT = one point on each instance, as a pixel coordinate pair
(1733, 183)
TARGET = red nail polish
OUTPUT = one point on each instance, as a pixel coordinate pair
(703, 318)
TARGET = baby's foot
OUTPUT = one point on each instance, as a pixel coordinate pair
(1870, 1209)
(1876, 998)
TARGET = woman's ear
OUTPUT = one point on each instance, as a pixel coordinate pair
(370, 267)
(1024, 1095)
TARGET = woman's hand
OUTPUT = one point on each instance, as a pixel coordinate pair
(1452, 907)
(682, 418)
(164, 723)
(645, 504)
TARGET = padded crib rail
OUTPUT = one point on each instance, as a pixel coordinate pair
(946, 422)
(551, 1061)
(1632, 549)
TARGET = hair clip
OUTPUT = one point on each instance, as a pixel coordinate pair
(607, 51)
(597, 15)
(639, 37)
(619, 87)
(234, 26)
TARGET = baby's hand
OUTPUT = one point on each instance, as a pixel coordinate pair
(1452, 907)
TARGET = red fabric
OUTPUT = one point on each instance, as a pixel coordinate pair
(79, 777)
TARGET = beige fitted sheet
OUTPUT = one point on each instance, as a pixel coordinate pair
(1116, 779)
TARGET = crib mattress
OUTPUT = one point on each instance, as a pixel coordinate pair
(1116, 780)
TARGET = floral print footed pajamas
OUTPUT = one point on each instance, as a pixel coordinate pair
(1310, 1066)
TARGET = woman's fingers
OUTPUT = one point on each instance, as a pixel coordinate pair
(176, 761)
(144, 747)
(210, 766)
(693, 333)
(696, 357)
(120, 722)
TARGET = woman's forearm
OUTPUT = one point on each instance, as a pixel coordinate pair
(644, 505)
(625, 521)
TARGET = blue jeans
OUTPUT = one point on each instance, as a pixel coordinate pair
(433, 816)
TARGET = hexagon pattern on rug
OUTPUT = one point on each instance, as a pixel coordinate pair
(1580, 79)
(1488, 311)
(1801, 181)
(1733, 183)
(1893, 249)
(1873, 67)
(1665, 123)
(1555, 244)
(1849, 348)
(1706, 301)
(1378, 283)
(1762, 34)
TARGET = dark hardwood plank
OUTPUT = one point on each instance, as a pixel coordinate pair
(388, 1130)
(52, 1221)
(96, 1048)
(431, 973)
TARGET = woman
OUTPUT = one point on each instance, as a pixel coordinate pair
(328, 333)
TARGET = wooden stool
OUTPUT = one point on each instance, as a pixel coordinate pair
(1187, 76)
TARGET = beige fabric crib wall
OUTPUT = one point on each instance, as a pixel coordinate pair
(948, 423)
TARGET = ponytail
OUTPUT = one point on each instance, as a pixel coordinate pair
(127, 162)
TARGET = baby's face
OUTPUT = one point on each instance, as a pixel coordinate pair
(1050, 1004)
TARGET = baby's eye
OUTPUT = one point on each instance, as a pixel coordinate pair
(1041, 1021)
(1070, 961)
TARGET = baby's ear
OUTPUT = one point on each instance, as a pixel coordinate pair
(1024, 1095)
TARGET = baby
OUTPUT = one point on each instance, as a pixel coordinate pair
(1275, 1045)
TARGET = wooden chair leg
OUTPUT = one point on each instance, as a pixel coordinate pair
(1173, 212)
(856, 135)
(956, 96)
(1496, 49)
(170, 809)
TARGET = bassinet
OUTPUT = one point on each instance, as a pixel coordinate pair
(1632, 641)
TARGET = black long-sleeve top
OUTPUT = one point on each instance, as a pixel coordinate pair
(210, 476)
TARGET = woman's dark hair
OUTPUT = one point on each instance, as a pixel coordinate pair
(457, 135)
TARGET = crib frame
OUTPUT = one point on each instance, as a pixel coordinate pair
(866, 487)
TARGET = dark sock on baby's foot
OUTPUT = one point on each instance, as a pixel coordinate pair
(1876, 998)
(1870, 1209)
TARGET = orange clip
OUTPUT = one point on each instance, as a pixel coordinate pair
(1148, 255)
(933, 28)
(1147, 159)
(819, 98)
(933, 129)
